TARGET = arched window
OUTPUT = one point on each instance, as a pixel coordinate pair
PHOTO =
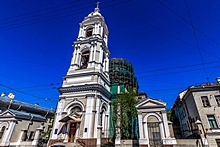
(89, 32)
(104, 121)
(2, 132)
(154, 133)
(84, 59)
(103, 57)
(75, 109)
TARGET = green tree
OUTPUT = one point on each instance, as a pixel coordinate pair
(169, 114)
(125, 112)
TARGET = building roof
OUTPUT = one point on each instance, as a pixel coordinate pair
(22, 115)
(155, 102)
(198, 88)
(6, 102)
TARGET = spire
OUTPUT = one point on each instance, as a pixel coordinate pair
(97, 7)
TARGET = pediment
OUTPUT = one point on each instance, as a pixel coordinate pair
(150, 103)
(7, 113)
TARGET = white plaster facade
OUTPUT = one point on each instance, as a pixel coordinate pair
(84, 101)
(22, 123)
(198, 111)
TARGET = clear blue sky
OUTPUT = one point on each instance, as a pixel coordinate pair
(155, 36)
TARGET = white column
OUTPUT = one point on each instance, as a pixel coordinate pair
(140, 125)
(91, 116)
(73, 59)
(7, 134)
(37, 136)
(77, 132)
(105, 125)
(107, 62)
(167, 132)
(84, 31)
(77, 56)
(145, 130)
(97, 118)
(99, 134)
(67, 130)
(91, 53)
(101, 32)
(95, 46)
(161, 130)
(106, 40)
(57, 118)
(96, 28)
(87, 118)
(74, 54)
(80, 32)
(101, 55)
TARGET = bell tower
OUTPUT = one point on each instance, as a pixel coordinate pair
(82, 114)
(91, 48)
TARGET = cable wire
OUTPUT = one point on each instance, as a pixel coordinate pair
(188, 22)
(197, 41)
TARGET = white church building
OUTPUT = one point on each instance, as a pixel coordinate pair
(84, 102)
(83, 109)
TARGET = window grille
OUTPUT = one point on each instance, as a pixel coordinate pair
(205, 101)
(217, 98)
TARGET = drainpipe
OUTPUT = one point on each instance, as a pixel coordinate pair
(188, 116)
(46, 114)
(10, 104)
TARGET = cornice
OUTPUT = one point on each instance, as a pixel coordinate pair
(205, 88)
(88, 74)
(86, 87)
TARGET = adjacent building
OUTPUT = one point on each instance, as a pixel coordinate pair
(23, 124)
(197, 110)
(154, 128)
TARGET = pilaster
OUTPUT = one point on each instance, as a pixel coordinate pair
(140, 125)
(97, 117)
(165, 122)
(37, 135)
(7, 134)
(67, 130)
(57, 118)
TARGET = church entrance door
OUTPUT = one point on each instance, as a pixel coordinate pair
(154, 134)
(72, 132)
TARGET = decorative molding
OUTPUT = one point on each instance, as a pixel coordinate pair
(87, 74)
(87, 87)
(90, 95)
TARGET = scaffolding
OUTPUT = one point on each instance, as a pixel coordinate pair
(122, 77)
(121, 71)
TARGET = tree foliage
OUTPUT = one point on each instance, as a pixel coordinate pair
(169, 114)
(125, 113)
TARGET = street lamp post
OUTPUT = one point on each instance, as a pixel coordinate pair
(198, 122)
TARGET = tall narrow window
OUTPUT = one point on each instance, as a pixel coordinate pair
(25, 135)
(2, 132)
(31, 136)
(84, 59)
(89, 32)
(205, 101)
(212, 121)
(217, 98)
